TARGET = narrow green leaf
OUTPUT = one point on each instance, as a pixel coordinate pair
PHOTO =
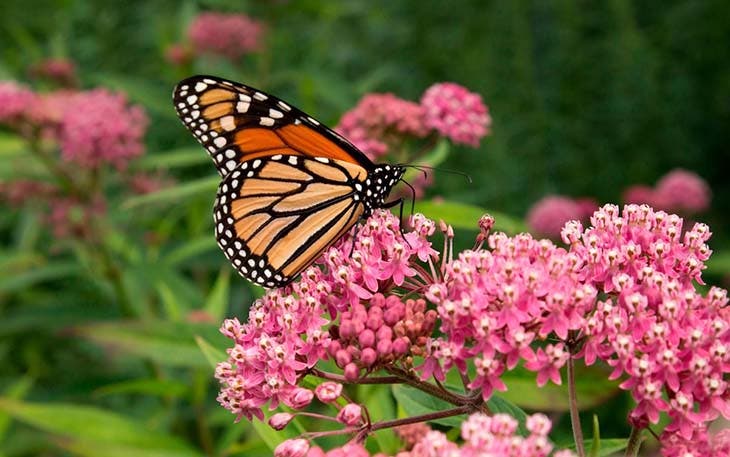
(11, 145)
(24, 280)
(465, 216)
(15, 391)
(88, 448)
(171, 302)
(415, 403)
(217, 301)
(175, 194)
(154, 97)
(167, 343)
(146, 386)
(212, 354)
(73, 421)
(175, 158)
(592, 386)
(609, 447)
(719, 264)
(191, 249)
(595, 448)
(497, 404)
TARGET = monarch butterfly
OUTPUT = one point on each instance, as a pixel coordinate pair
(290, 186)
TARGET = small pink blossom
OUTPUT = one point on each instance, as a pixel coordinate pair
(456, 113)
(178, 54)
(328, 391)
(227, 35)
(292, 448)
(350, 414)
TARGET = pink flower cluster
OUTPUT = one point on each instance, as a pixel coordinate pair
(678, 191)
(381, 120)
(622, 292)
(482, 435)
(227, 35)
(549, 214)
(60, 71)
(99, 127)
(14, 101)
(92, 127)
(456, 113)
(286, 333)
(380, 123)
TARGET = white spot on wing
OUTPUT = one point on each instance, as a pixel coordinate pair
(228, 123)
(242, 107)
(276, 114)
(266, 121)
(201, 86)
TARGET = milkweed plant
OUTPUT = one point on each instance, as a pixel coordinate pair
(388, 307)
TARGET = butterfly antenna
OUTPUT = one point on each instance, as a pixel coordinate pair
(413, 197)
(423, 169)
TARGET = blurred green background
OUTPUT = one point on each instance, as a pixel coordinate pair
(587, 98)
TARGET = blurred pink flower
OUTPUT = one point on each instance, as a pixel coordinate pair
(146, 183)
(228, 35)
(178, 54)
(682, 191)
(639, 195)
(380, 121)
(98, 127)
(456, 113)
(548, 215)
(69, 217)
(15, 100)
(17, 193)
(60, 71)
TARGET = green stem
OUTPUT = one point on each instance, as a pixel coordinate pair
(634, 443)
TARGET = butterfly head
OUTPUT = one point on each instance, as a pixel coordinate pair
(380, 182)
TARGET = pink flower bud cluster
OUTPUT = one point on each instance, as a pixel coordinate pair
(702, 444)
(548, 215)
(227, 35)
(482, 435)
(456, 113)
(287, 332)
(679, 191)
(385, 331)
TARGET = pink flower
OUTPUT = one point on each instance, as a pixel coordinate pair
(639, 195)
(17, 193)
(548, 215)
(60, 71)
(15, 100)
(456, 113)
(178, 54)
(99, 127)
(381, 121)
(682, 191)
(227, 35)
(292, 448)
(350, 414)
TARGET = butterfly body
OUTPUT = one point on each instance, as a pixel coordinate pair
(290, 186)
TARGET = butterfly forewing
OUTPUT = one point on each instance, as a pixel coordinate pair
(236, 123)
(275, 216)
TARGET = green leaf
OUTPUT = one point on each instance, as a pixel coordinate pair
(191, 249)
(497, 404)
(719, 264)
(14, 391)
(415, 403)
(433, 158)
(381, 407)
(609, 447)
(212, 354)
(172, 302)
(175, 194)
(465, 216)
(174, 158)
(592, 386)
(595, 448)
(167, 343)
(154, 97)
(11, 145)
(90, 425)
(217, 301)
(146, 386)
(26, 279)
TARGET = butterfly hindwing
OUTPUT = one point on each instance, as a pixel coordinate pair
(274, 216)
(236, 123)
